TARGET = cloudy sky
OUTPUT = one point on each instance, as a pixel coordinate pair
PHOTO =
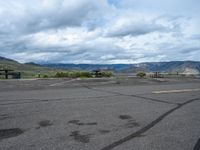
(99, 31)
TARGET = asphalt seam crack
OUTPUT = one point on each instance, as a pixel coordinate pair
(156, 100)
(27, 101)
(137, 96)
(149, 126)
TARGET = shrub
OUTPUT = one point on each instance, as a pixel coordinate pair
(77, 74)
(81, 74)
(141, 74)
(45, 76)
(85, 74)
(106, 74)
(62, 74)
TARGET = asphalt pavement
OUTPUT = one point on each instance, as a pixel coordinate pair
(100, 114)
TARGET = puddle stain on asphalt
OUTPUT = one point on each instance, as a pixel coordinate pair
(77, 122)
(8, 133)
(104, 131)
(44, 123)
(125, 117)
(4, 116)
(80, 137)
(131, 122)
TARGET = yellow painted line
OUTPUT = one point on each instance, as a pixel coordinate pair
(175, 91)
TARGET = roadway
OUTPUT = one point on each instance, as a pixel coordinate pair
(100, 114)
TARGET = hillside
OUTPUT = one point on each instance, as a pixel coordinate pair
(27, 70)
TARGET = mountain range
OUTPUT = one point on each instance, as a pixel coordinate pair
(186, 67)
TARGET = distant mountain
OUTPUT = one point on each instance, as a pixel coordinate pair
(90, 67)
(192, 67)
(187, 67)
(173, 66)
(6, 59)
(33, 64)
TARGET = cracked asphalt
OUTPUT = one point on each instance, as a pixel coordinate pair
(100, 114)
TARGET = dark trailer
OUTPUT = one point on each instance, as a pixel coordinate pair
(8, 72)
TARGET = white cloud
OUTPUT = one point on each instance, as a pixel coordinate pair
(87, 31)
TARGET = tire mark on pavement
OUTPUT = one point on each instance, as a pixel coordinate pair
(149, 126)
(197, 145)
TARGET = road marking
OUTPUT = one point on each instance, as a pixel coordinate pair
(61, 83)
(175, 91)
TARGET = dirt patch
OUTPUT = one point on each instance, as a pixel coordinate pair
(125, 117)
(8, 133)
(80, 137)
(45, 123)
(77, 122)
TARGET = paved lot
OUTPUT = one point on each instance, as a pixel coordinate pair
(100, 114)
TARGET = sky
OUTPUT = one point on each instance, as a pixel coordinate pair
(100, 31)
